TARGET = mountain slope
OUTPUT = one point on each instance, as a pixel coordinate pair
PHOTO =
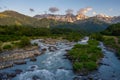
(87, 25)
(92, 25)
(113, 30)
(15, 18)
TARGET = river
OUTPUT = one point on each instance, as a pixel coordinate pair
(53, 65)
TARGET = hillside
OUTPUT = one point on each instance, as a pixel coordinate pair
(113, 30)
(15, 18)
(92, 25)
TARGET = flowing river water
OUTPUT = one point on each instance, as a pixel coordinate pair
(53, 65)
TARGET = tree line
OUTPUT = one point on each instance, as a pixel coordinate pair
(11, 33)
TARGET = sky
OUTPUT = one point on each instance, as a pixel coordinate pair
(87, 7)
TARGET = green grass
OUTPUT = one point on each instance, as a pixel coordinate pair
(119, 39)
(7, 46)
(85, 57)
(109, 41)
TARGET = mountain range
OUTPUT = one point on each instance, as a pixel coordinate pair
(79, 21)
(78, 17)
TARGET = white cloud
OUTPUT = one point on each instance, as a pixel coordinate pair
(85, 10)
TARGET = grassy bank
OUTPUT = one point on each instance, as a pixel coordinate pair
(113, 42)
(85, 57)
(22, 43)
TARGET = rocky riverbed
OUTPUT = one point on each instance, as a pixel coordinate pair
(18, 56)
(9, 58)
(53, 65)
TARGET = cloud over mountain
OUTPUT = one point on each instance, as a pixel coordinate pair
(84, 10)
(69, 11)
(31, 10)
(53, 9)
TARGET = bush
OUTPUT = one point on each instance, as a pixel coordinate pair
(97, 36)
(0, 46)
(25, 41)
(7, 46)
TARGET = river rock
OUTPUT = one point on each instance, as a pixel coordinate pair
(20, 62)
(44, 49)
(11, 75)
(3, 76)
(0, 75)
(67, 50)
(6, 65)
(35, 78)
(33, 59)
(52, 48)
(36, 54)
(77, 78)
(18, 71)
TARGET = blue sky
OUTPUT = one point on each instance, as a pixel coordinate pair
(108, 7)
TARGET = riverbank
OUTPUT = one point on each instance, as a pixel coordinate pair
(112, 43)
(17, 56)
(49, 66)
(9, 58)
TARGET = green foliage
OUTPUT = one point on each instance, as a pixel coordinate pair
(93, 42)
(113, 30)
(90, 65)
(84, 57)
(118, 39)
(97, 36)
(7, 47)
(25, 41)
(0, 46)
(78, 66)
(74, 36)
(11, 33)
(109, 41)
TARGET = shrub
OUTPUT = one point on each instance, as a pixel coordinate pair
(25, 41)
(7, 46)
(0, 46)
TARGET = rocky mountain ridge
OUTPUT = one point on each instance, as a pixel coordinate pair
(73, 18)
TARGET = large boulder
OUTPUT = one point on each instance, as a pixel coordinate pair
(20, 62)
(52, 48)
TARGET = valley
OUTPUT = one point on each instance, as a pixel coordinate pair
(59, 40)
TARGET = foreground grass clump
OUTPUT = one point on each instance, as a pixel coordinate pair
(85, 57)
